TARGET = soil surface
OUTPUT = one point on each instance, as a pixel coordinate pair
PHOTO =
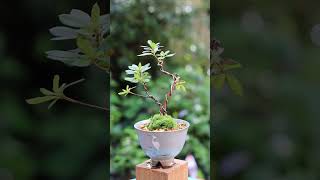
(179, 127)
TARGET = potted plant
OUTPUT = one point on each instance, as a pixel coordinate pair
(161, 137)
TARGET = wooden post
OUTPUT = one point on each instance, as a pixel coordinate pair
(179, 171)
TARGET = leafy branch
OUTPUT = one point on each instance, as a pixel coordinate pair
(57, 93)
(221, 69)
(90, 33)
(141, 76)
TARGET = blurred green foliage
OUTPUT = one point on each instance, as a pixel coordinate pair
(183, 27)
(67, 142)
(272, 132)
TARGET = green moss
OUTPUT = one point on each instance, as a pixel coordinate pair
(162, 122)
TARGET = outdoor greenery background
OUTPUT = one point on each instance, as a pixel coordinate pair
(182, 27)
(272, 132)
(69, 141)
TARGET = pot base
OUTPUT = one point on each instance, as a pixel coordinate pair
(179, 171)
(163, 163)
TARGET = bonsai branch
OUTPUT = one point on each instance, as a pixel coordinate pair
(175, 77)
(162, 110)
(140, 95)
(83, 103)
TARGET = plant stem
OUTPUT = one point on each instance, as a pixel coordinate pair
(162, 110)
(140, 95)
(84, 104)
(98, 39)
(175, 78)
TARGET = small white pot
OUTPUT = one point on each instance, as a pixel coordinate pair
(163, 146)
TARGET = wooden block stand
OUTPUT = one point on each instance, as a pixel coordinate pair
(177, 172)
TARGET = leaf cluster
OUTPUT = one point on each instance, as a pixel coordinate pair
(153, 50)
(90, 35)
(138, 74)
(53, 95)
(221, 69)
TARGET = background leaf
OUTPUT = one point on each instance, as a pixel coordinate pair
(234, 84)
(63, 33)
(218, 81)
(86, 47)
(52, 103)
(55, 84)
(72, 58)
(74, 20)
(95, 14)
(46, 91)
(39, 100)
(229, 64)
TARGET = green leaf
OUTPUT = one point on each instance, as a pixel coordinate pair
(71, 57)
(170, 55)
(131, 79)
(129, 71)
(145, 67)
(218, 81)
(76, 18)
(95, 15)
(145, 54)
(234, 84)
(153, 46)
(63, 33)
(52, 103)
(81, 62)
(46, 91)
(56, 80)
(104, 64)
(229, 64)
(145, 77)
(62, 87)
(85, 46)
(126, 91)
(180, 85)
(39, 100)
(123, 93)
(139, 73)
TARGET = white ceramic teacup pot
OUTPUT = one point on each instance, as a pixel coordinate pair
(162, 146)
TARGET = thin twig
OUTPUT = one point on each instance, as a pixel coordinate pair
(175, 78)
(162, 110)
(84, 104)
(73, 83)
(140, 95)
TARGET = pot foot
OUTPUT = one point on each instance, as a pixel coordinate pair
(163, 163)
(167, 163)
(154, 163)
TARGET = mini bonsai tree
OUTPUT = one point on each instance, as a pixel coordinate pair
(138, 74)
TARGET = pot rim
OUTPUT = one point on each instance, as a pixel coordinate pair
(146, 120)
